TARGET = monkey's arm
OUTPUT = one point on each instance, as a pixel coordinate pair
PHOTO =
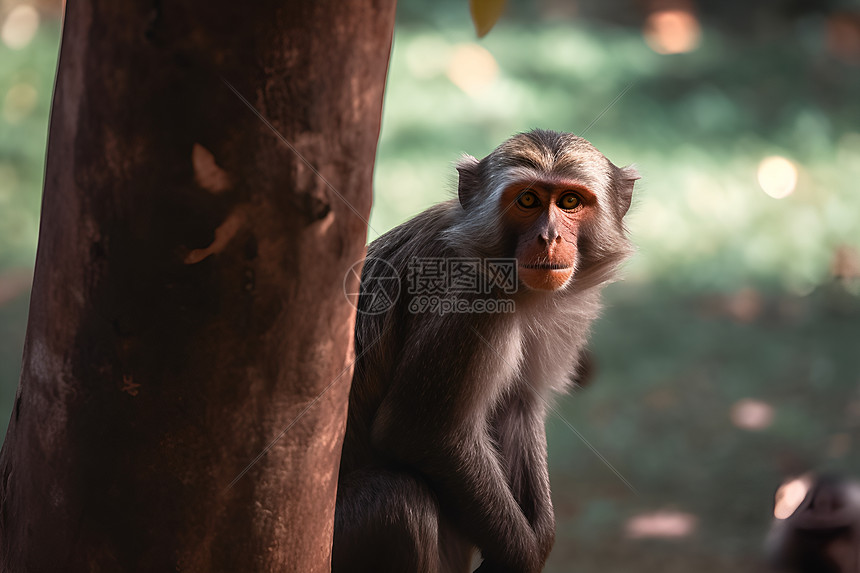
(434, 419)
(522, 439)
(471, 488)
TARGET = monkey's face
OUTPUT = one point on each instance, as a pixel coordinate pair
(545, 219)
(558, 202)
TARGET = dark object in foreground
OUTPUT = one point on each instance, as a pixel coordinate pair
(445, 449)
(823, 534)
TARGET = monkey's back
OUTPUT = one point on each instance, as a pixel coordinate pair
(379, 334)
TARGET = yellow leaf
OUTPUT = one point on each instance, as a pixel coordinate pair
(485, 14)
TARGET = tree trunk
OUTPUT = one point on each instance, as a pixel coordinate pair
(188, 303)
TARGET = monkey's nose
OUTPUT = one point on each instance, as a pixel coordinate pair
(555, 237)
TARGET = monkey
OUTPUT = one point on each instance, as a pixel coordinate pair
(445, 447)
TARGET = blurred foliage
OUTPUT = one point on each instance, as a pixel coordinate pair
(697, 125)
(732, 295)
(26, 82)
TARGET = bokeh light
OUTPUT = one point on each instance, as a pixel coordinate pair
(427, 56)
(672, 31)
(13, 282)
(20, 101)
(749, 414)
(790, 495)
(843, 36)
(846, 263)
(20, 26)
(660, 524)
(777, 176)
(745, 305)
(472, 69)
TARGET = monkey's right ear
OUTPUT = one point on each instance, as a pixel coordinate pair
(627, 176)
(469, 182)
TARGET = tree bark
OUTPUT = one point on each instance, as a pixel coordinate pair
(188, 302)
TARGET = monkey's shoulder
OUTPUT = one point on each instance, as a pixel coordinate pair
(385, 279)
(420, 236)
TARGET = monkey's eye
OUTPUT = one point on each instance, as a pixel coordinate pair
(569, 201)
(527, 200)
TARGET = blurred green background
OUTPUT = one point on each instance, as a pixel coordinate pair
(729, 358)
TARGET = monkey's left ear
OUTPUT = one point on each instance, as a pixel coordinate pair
(627, 176)
(467, 186)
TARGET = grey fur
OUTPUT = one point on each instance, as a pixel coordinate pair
(445, 450)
